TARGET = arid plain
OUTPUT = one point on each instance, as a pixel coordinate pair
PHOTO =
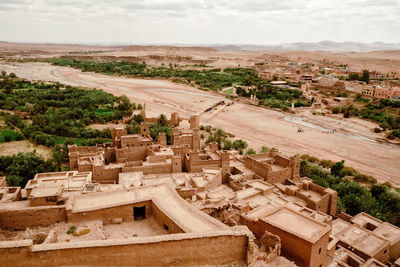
(352, 141)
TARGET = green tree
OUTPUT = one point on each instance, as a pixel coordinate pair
(220, 136)
(25, 166)
(337, 168)
(239, 144)
(365, 76)
(162, 120)
(251, 152)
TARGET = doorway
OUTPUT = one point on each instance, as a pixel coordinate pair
(139, 213)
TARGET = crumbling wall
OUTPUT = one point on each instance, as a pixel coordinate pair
(270, 245)
(218, 247)
(20, 219)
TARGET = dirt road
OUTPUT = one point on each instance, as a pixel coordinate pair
(352, 142)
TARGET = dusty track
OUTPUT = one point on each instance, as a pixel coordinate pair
(257, 125)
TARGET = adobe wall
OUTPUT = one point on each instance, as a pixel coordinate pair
(281, 161)
(41, 201)
(32, 216)
(293, 247)
(394, 252)
(278, 176)
(320, 205)
(83, 168)
(257, 167)
(150, 169)
(103, 174)
(228, 247)
(380, 255)
(165, 220)
(107, 214)
(217, 180)
(130, 154)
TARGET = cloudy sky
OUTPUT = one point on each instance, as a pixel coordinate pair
(199, 21)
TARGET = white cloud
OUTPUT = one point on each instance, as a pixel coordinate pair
(199, 21)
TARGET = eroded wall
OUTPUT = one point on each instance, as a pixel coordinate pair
(211, 248)
(31, 217)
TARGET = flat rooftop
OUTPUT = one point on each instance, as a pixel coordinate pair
(163, 196)
(46, 191)
(388, 231)
(362, 240)
(297, 224)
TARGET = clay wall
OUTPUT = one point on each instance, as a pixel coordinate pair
(103, 174)
(150, 169)
(381, 255)
(299, 250)
(31, 217)
(107, 214)
(131, 154)
(321, 204)
(394, 252)
(84, 167)
(43, 201)
(258, 167)
(219, 248)
(281, 161)
(163, 219)
(279, 176)
(217, 180)
(198, 165)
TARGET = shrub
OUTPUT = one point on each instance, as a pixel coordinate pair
(71, 230)
(335, 110)
(251, 152)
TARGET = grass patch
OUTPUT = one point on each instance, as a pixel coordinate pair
(102, 111)
(7, 135)
(229, 91)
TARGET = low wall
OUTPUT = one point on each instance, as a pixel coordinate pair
(125, 212)
(165, 220)
(150, 169)
(228, 246)
(32, 216)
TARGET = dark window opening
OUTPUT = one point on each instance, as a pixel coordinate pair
(370, 226)
(139, 213)
(165, 226)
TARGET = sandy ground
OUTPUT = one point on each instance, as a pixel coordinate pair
(15, 147)
(257, 125)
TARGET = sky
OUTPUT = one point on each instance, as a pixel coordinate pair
(259, 22)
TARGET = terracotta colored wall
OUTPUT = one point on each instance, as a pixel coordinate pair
(29, 217)
(293, 247)
(150, 169)
(106, 215)
(100, 173)
(131, 154)
(163, 219)
(180, 249)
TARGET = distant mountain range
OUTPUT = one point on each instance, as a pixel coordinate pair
(318, 46)
(326, 46)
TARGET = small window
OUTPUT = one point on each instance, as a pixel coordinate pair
(319, 251)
